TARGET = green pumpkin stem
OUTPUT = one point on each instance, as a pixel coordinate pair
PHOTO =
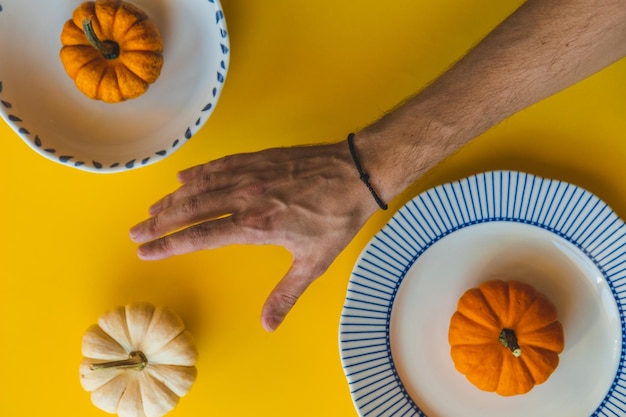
(108, 49)
(509, 340)
(135, 360)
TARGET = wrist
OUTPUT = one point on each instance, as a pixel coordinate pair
(363, 176)
(398, 149)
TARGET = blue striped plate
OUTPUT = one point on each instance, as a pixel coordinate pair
(403, 290)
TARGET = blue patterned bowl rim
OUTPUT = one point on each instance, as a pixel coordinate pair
(37, 141)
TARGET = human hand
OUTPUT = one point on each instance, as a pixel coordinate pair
(307, 199)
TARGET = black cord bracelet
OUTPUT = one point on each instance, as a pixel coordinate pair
(362, 175)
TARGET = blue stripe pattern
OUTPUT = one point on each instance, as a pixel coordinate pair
(499, 196)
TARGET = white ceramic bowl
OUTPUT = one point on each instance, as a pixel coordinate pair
(43, 106)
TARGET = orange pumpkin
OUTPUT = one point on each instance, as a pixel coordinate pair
(111, 50)
(505, 337)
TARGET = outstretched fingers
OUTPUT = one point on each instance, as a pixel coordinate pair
(207, 235)
(185, 212)
(262, 198)
(202, 183)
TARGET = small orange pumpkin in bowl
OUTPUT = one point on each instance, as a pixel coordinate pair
(505, 337)
(112, 50)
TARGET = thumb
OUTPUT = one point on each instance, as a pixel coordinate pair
(284, 296)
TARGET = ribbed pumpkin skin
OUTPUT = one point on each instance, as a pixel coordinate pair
(482, 313)
(140, 59)
(150, 390)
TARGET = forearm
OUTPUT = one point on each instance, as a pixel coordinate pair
(310, 200)
(544, 47)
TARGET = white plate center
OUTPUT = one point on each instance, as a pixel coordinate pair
(428, 296)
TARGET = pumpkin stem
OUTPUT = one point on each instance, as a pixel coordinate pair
(108, 49)
(135, 360)
(508, 339)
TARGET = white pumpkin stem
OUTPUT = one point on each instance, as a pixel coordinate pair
(509, 340)
(108, 49)
(135, 360)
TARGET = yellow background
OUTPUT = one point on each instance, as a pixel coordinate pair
(301, 72)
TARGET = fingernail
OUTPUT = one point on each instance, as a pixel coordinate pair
(135, 233)
(154, 209)
(269, 323)
(181, 177)
(143, 253)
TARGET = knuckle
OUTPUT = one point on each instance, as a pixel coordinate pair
(204, 182)
(243, 225)
(154, 225)
(201, 184)
(224, 162)
(167, 200)
(286, 300)
(255, 222)
(190, 205)
(258, 220)
(251, 188)
(163, 246)
(196, 236)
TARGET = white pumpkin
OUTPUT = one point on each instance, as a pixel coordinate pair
(138, 361)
